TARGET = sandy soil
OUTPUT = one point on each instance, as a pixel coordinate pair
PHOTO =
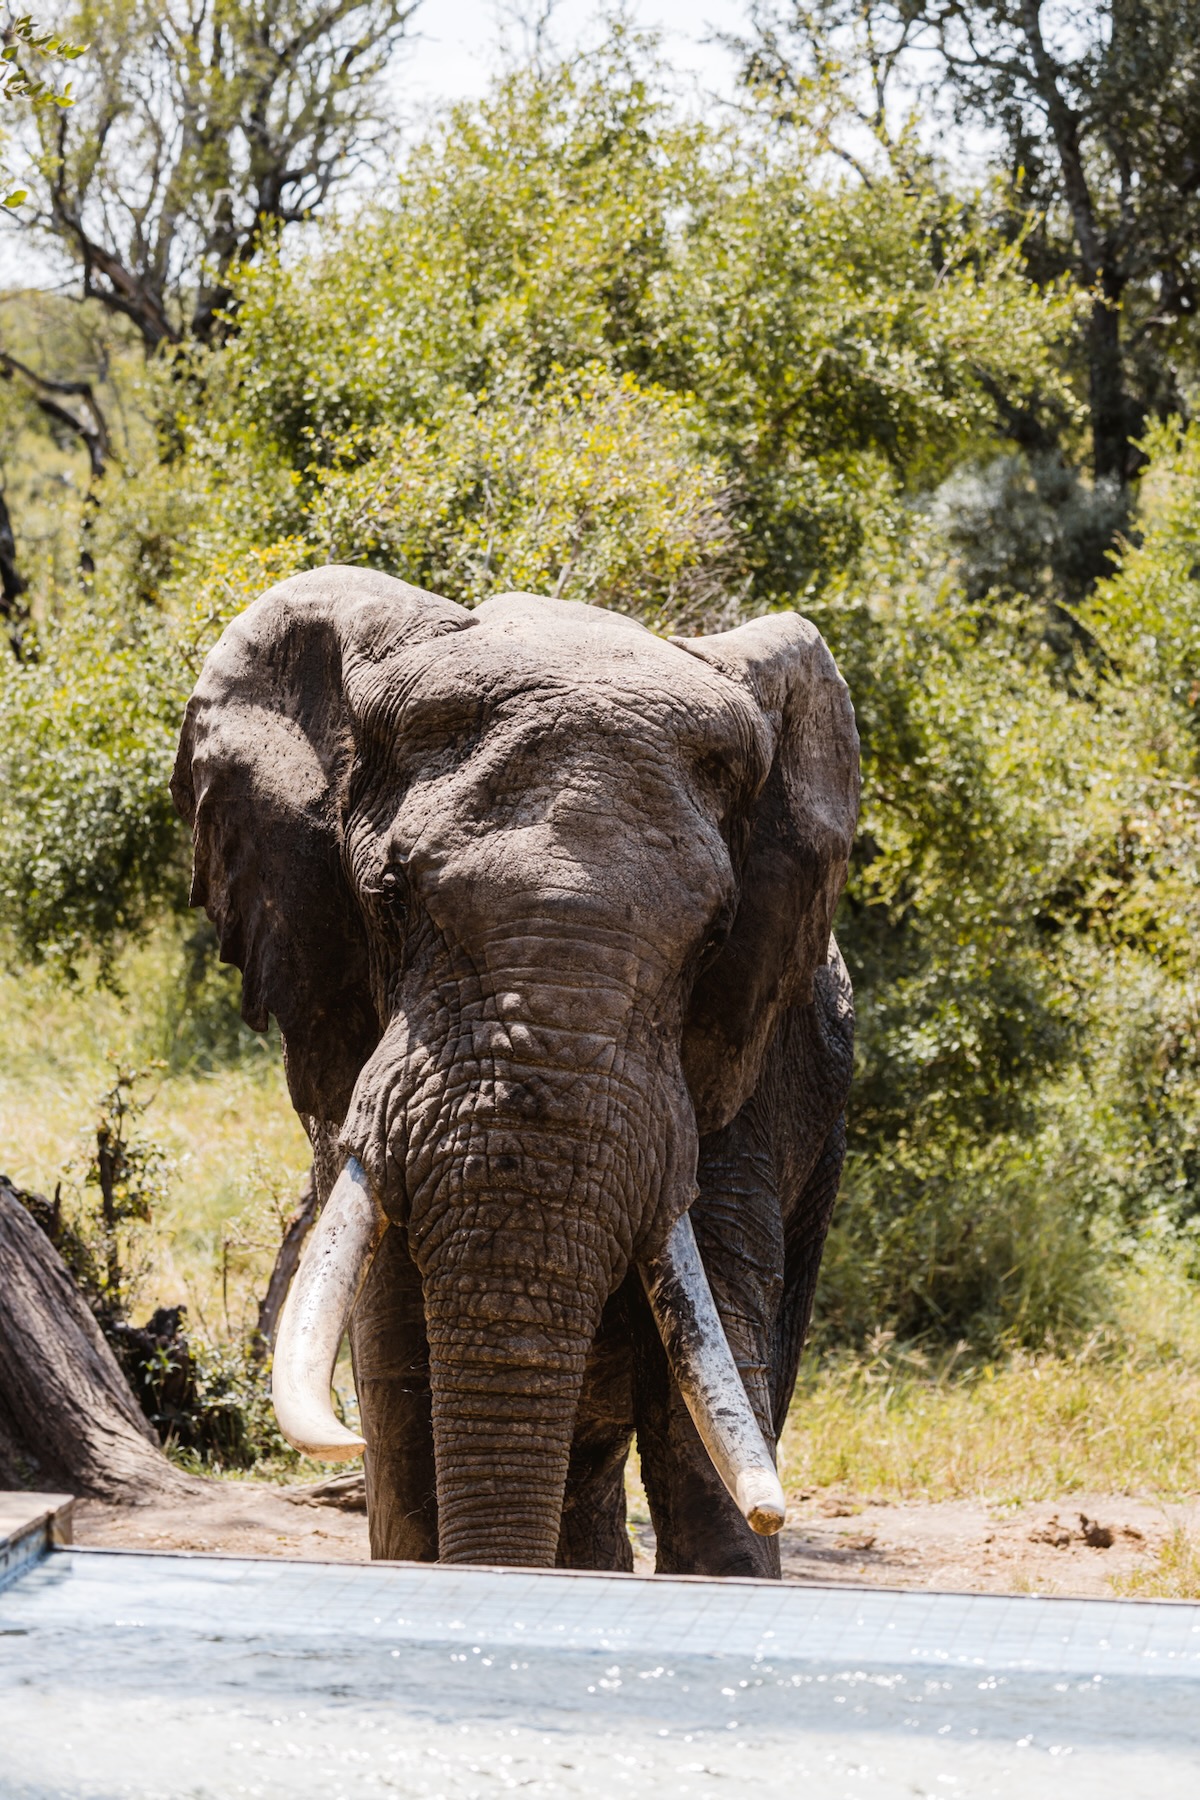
(236, 1518)
(1072, 1547)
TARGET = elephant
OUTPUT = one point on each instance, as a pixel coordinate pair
(542, 903)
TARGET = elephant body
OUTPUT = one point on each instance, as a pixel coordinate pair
(542, 903)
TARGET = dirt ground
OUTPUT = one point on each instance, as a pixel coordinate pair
(1076, 1546)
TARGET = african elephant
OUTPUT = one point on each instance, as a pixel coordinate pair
(542, 903)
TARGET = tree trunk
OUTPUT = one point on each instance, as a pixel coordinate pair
(12, 583)
(1116, 418)
(68, 1419)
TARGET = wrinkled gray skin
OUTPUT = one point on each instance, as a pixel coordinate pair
(542, 905)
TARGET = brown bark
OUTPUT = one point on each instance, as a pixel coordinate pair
(13, 584)
(1116, 419)
(68, 1419)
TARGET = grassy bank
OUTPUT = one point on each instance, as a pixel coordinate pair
(235, 1152)
(1118, 1414)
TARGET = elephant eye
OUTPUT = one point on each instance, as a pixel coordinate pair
(715, 769)
(716, 940)
(392, 891)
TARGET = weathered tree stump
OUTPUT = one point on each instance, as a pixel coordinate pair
(68, 1419)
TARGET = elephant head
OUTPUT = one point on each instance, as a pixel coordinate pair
(527, 889)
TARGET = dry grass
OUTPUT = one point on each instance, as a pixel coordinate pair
(1173, 1575)
(236, 1148)
(1121, 1415)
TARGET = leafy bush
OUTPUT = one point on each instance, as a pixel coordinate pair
(593, 487)
(89, 841)
(954, 1239)
(589, 346)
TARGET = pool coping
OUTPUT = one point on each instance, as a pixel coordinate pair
(31, 1525)
(34, 1524)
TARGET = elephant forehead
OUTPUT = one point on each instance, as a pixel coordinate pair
(567, 663)
(576, 640)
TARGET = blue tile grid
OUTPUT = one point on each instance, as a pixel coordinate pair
(414, 1604)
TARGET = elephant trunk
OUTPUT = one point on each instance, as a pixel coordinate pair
(505, 1396)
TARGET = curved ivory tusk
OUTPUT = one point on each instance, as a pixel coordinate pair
(316, 1313)
(702, 1363)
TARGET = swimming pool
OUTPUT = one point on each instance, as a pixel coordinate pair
(156, 1676)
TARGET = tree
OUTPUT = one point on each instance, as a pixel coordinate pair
(24, 44)
(582, 346)
(200, 130)
(67, 1415)
(568, 251)
(587, 345)
(201, 126)
(1096, 112)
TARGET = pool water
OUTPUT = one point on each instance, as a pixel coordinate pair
(171, 1677)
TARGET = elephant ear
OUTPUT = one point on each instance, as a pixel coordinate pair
(797, 851)
(262, 776)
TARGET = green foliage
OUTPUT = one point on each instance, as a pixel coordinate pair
(98, 1225)
(22, 38)
(584, 346)
(825, 347)
(1090, 112)
(594, 487)
(89, 842)
(951, 1237)
(25, 46)
(225, 1419)
(1021, 926)
(192, 132)
(132, 1176)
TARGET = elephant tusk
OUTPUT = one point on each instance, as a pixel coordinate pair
(702, 1363)
(316, 1313)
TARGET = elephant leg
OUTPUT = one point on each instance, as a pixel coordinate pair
(699, 1528)
(391, 1374)
(805, 1232)
(593, 1534)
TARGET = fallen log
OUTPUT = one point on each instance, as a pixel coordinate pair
(348, 1493)
(68, 1418)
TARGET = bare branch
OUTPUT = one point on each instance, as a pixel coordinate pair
(88, 424)
(197, 130)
